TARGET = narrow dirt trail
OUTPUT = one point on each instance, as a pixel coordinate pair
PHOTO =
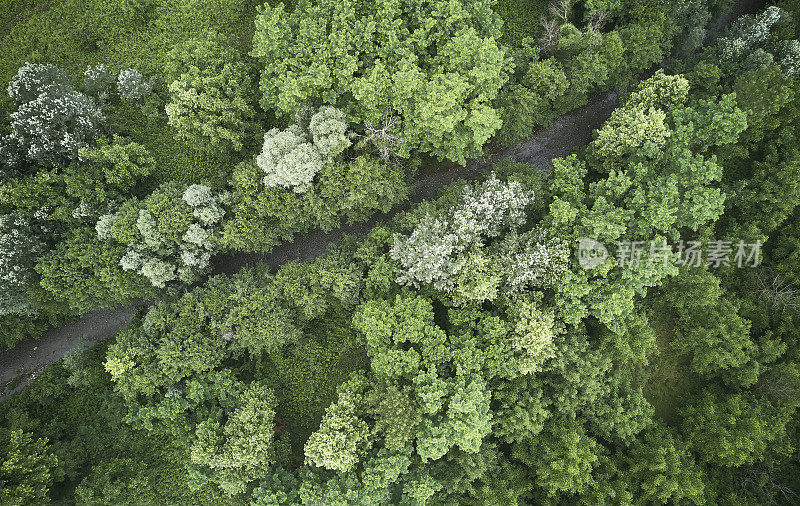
(563, 136)
(31, 356)
(568, 132)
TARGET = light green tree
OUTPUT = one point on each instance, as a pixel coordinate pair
(26, 468)
(731, 429)
(292, 157)
(365, 58)
(343, 438)
(210, 92)
(661, 469)
(234, 454)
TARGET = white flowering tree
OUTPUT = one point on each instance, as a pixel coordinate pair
(436, 250)
(292, 157)
(20, 242)
(169, 235)
(132, 85)
(53, 121)
(751, 44)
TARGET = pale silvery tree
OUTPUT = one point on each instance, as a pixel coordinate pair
(53, 121)
(32, 79)
(206, 207)
(20, 243)
(291, 158)
(531, 260)
(747, 32)
(495, 205)
(749, 44)
(436, 249)
(55, 126)
(104, 225)
(790, 57)
(97, 79)
(131, 85)
(183, 256)
(430, 255)
(197, 245)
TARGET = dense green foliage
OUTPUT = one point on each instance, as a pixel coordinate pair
(437, 64)
(459, 352)
(209, 92)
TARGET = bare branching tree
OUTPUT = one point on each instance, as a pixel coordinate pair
(774, 290)
(561, 9)
(382, 136)
(761, 480)
(598, 20)
(780, 384)
(550, 32)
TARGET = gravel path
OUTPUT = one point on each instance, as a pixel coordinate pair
(25, 362)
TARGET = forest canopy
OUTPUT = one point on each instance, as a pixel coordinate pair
(400, 252)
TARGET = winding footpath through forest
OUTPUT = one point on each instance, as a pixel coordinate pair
(22, 364)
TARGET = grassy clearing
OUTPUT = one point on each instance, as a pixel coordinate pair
(520, 19)
(666, 381)
(122, 34)
(307, 375)
(118, 33)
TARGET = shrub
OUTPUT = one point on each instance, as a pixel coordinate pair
(132, 86)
